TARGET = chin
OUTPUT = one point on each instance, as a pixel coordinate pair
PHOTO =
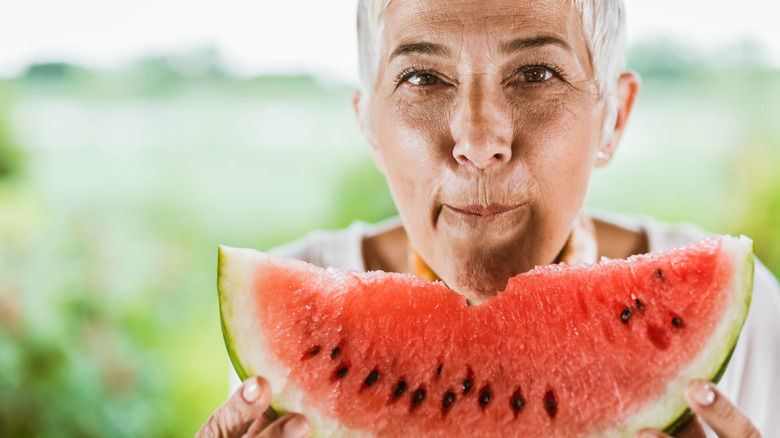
(483, 275)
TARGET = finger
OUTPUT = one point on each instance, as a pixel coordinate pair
(233, 418)
(289, 426)
(725, 419)
(650, 433)
(692, 429)
(260, 423)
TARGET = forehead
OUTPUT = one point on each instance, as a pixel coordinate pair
(456, 22)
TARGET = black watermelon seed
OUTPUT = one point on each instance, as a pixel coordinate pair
(518, 403)
(449, 398)
(625, 315)
(676, 322)
(639, 304)
(659, 274)
(484, 397)
(335, 353)
(550, 404)
(372, 377)
(311, 353)
(341, 372)
(466, 386)
(400, 388)
(419, 396)
(438, 370)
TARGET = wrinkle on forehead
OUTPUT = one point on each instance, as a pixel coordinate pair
(489, 23)
(408, 16)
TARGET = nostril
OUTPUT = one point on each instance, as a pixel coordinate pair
(500, 157)
(482, 154)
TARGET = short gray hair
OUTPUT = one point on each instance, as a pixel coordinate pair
(603, 24)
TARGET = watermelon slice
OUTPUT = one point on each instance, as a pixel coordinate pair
(564, 351)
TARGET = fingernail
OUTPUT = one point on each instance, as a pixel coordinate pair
(702, 393)
(295, 427)
(251, 392)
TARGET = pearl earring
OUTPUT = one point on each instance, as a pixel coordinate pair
(601, 155)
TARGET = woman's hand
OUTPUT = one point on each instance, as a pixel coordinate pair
(243, 415)
(711, 406)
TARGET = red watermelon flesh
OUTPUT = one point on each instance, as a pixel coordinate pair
(564, 351)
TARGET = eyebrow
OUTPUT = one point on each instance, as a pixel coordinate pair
(428, 48)
(529, 43)
(422, 47)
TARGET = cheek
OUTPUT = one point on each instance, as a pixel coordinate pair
(420, 127)
(557, 141)
(557, 138)
(409, 144)
(424, 109)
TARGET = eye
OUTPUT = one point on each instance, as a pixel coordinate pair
(423, 79)
(535, 74)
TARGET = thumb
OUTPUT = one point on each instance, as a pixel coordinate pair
(235, 416)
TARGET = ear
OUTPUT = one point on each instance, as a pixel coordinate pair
(628, 87)
(368, 133)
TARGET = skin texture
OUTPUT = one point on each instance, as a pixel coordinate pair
(245, 414)
(488, 147)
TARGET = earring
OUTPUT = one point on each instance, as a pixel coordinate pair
(601, 155)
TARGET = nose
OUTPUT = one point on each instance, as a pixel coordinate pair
(482, 128)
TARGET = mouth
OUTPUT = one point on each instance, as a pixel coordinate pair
(485, 211)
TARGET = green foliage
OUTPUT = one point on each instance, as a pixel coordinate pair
(361, 194)
(97, 330)
(756, 198)
(164, 74)
(702, 147)
(50, 71)
(10, 155)
(108, 307)
(108, 245)
(665, 59)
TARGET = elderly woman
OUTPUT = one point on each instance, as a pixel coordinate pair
(487, 118)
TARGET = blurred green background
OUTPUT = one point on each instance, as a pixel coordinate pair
(116, 186)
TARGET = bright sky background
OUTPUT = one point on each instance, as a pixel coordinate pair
(314, 36)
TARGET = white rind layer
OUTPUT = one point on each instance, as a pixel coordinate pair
(240, 325)
(237, 270)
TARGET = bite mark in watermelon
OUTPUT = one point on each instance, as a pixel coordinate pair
(564, 351)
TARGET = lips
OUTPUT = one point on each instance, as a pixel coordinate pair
(484, 210)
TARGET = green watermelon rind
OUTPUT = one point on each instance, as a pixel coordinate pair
(242, 374)
(741, 287)
(237, 366)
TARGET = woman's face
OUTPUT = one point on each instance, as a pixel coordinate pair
(487, 120)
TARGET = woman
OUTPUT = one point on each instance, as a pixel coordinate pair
(487, 118)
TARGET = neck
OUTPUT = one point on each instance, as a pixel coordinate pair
(390, 250)
(580, 247)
